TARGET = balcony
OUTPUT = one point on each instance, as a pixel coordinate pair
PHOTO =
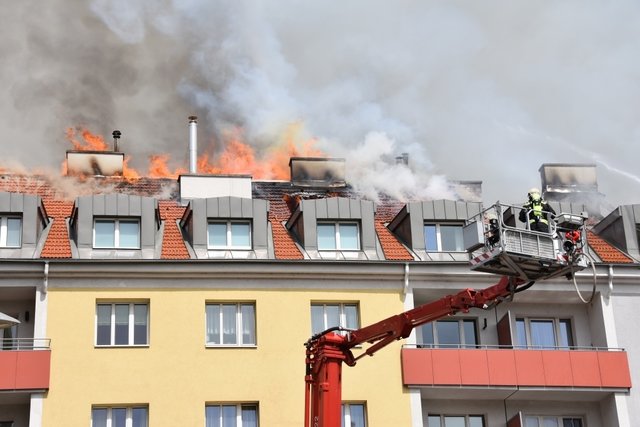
(583, 369)
(24, 364)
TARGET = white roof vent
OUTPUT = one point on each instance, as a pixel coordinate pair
(207, 186)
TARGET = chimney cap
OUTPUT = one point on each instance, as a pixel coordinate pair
(193, 119)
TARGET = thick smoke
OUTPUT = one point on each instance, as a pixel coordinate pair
(471, 90)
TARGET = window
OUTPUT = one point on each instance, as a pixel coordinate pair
(125, 324)
(116, 233)
(10, 231)
(242, 415)
(229, 235)
(455, 421)
(338, 236)
(544, 333)
(119, 416)
(231, 324)
(546, 421)
(6, 423)
(325, 316)
(353, 415)
(450, 333)
(443, 238)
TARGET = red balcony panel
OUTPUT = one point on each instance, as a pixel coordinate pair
(614, 369)
(502, 367)
(529, 367)
(558, 371)
(474, 368)
(24, 370)
(417, 366)
(584, 369)
(8, 369)
(448, 364)
(506, 367)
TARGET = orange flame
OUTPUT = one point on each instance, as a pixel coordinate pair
(237, 157)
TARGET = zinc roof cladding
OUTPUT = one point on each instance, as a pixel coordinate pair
(58, 195)
(606, 252)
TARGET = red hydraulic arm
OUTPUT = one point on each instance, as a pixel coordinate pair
(327, 351)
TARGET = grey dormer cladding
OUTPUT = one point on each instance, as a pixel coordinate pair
(35, 223)
(621, 228)
(200, 211)
(304, 220)
(116, 206)
(408, 224)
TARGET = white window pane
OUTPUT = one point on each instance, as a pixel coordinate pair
(531, 422)
(454, 422)
(549, 422)
(351, 316)
(139, 417)
(14, 231)
(521, 333)
(122, 324)
(248, 324)
(140, 315)
(430, 238)
(357, 415)
(349, 237)
(99, 417)
(104, 324)
(213, 324)
(451, 237)
(217, 234)
(249, 416)
(240, 235)
(566, 339)
(427, 335)
(213, 416)
(333, 315)
(317, 319)
(129, 233)
(229, 416)
(326, 237)
(476, 421)
(105, 234)
(470, 338)
(119, 417)
(229, 324)
(542, 333)
(448, 334)
(433, 421)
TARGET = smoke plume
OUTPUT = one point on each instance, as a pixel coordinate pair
(471, 90)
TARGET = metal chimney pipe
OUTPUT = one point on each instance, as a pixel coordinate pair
(193, 144)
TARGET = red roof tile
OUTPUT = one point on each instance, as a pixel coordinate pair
(605, 251)
(392, 248)
(57, 244)
(173, 246)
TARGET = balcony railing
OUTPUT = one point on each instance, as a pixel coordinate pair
(25, 343)
(25, 364)
(579, 367)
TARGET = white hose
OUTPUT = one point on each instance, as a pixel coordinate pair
(590, 263)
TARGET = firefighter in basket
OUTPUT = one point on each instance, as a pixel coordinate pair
(537, 212)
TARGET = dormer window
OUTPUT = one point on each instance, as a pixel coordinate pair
(338, 236)
(229, 235)
(116, 233)
(10, 231)
(443, 238)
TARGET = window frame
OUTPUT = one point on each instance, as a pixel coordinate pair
(342, 314)
(346, 412)
(116, 232)
(559, 419)
(557, 332)
(462, 333)
(130, 324)
(336, 228)
(239, 324)
(229, 235)
(467, 418)
(4, 230)
(438, 234)
(238, 407)
(129, 413)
